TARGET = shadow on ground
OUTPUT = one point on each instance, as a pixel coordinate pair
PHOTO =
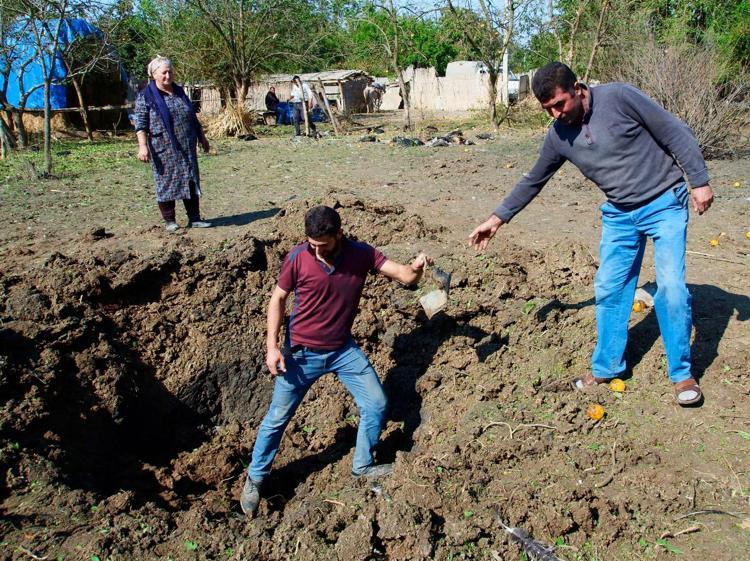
(245, 218)
(713, 308)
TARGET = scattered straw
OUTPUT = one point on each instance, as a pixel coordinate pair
(231, 121)
(512, 430)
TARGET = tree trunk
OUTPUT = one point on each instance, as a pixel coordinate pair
(21, 134)
(241, 86)
(7, 143)
(81, 101)
(304, 109)
(324, 98)
(405, 95)
(574, 28)
(84, 109)
(492, 98)
(597, 39)
(555, 29)
(47, 130)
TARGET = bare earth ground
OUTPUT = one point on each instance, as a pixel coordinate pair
(132, 381)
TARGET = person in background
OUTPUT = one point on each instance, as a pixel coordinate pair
(272, 102)
(326, 274)
(168, 133)
(302, 100)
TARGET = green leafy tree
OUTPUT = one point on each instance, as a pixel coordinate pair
(230, 42)
(135, 33)
(488, 27)
(387, 35)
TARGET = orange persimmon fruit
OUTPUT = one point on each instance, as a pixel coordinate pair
(595, 411)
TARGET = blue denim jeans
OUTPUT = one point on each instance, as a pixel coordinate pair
(303, 368)
(624, 235)
(298, 117)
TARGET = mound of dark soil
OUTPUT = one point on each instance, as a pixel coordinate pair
(133, 384)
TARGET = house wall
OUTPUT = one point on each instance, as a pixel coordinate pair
(206, 100)
(430, 92)
(392, 97)
(256, 95)
(351, 88)
(210, 102)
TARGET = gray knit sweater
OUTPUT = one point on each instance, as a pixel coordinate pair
(627, 144)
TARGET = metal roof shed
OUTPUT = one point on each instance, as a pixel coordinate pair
(343, 88)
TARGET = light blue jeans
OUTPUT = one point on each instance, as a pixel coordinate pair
(303, 368)
(624, 235)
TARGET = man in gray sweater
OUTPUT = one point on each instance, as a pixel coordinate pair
(635, 151)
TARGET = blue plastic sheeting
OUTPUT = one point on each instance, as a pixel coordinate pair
(318, 115)
(285, 114)
(24, 80)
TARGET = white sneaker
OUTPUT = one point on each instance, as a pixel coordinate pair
(199, 224)
(172, 227)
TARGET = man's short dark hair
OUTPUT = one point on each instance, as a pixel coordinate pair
(550, 77)
(295, 78)
(322, 221)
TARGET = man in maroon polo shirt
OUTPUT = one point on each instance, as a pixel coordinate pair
(327, 274)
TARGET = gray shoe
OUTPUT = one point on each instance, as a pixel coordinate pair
(375, 471)
(172, 227)
(250, 496)
(199, 224)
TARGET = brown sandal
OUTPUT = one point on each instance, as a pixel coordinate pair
(587, 382)
(687, 392)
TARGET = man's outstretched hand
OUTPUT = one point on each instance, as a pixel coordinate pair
(482, 234)
(702, 197)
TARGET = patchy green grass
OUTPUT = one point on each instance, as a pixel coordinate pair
(72, 158)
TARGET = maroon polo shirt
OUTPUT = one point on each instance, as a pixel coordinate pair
(326, 300)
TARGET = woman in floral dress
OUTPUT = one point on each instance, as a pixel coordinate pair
(168, 132)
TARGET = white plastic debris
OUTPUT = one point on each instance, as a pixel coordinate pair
(644, 296)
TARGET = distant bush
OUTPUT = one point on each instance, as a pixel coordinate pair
(685, 80)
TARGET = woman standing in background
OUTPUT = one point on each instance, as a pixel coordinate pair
(168, 132)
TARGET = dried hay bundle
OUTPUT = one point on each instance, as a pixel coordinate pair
(233, 120)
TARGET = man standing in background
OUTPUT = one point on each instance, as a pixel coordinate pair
(302, 100)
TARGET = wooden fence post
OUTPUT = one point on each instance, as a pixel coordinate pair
(328, 107)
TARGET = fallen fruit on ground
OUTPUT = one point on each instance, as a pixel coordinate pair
(713, 243)
(737, 184)
(747, 234)
(595, 412)
(617, 385)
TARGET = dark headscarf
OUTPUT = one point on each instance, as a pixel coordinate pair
(155, 100)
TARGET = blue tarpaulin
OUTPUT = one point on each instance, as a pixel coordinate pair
(285, 114)
(27, 71)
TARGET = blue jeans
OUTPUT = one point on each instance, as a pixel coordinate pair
(303, 368)
(623, 242)
(298, 117)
